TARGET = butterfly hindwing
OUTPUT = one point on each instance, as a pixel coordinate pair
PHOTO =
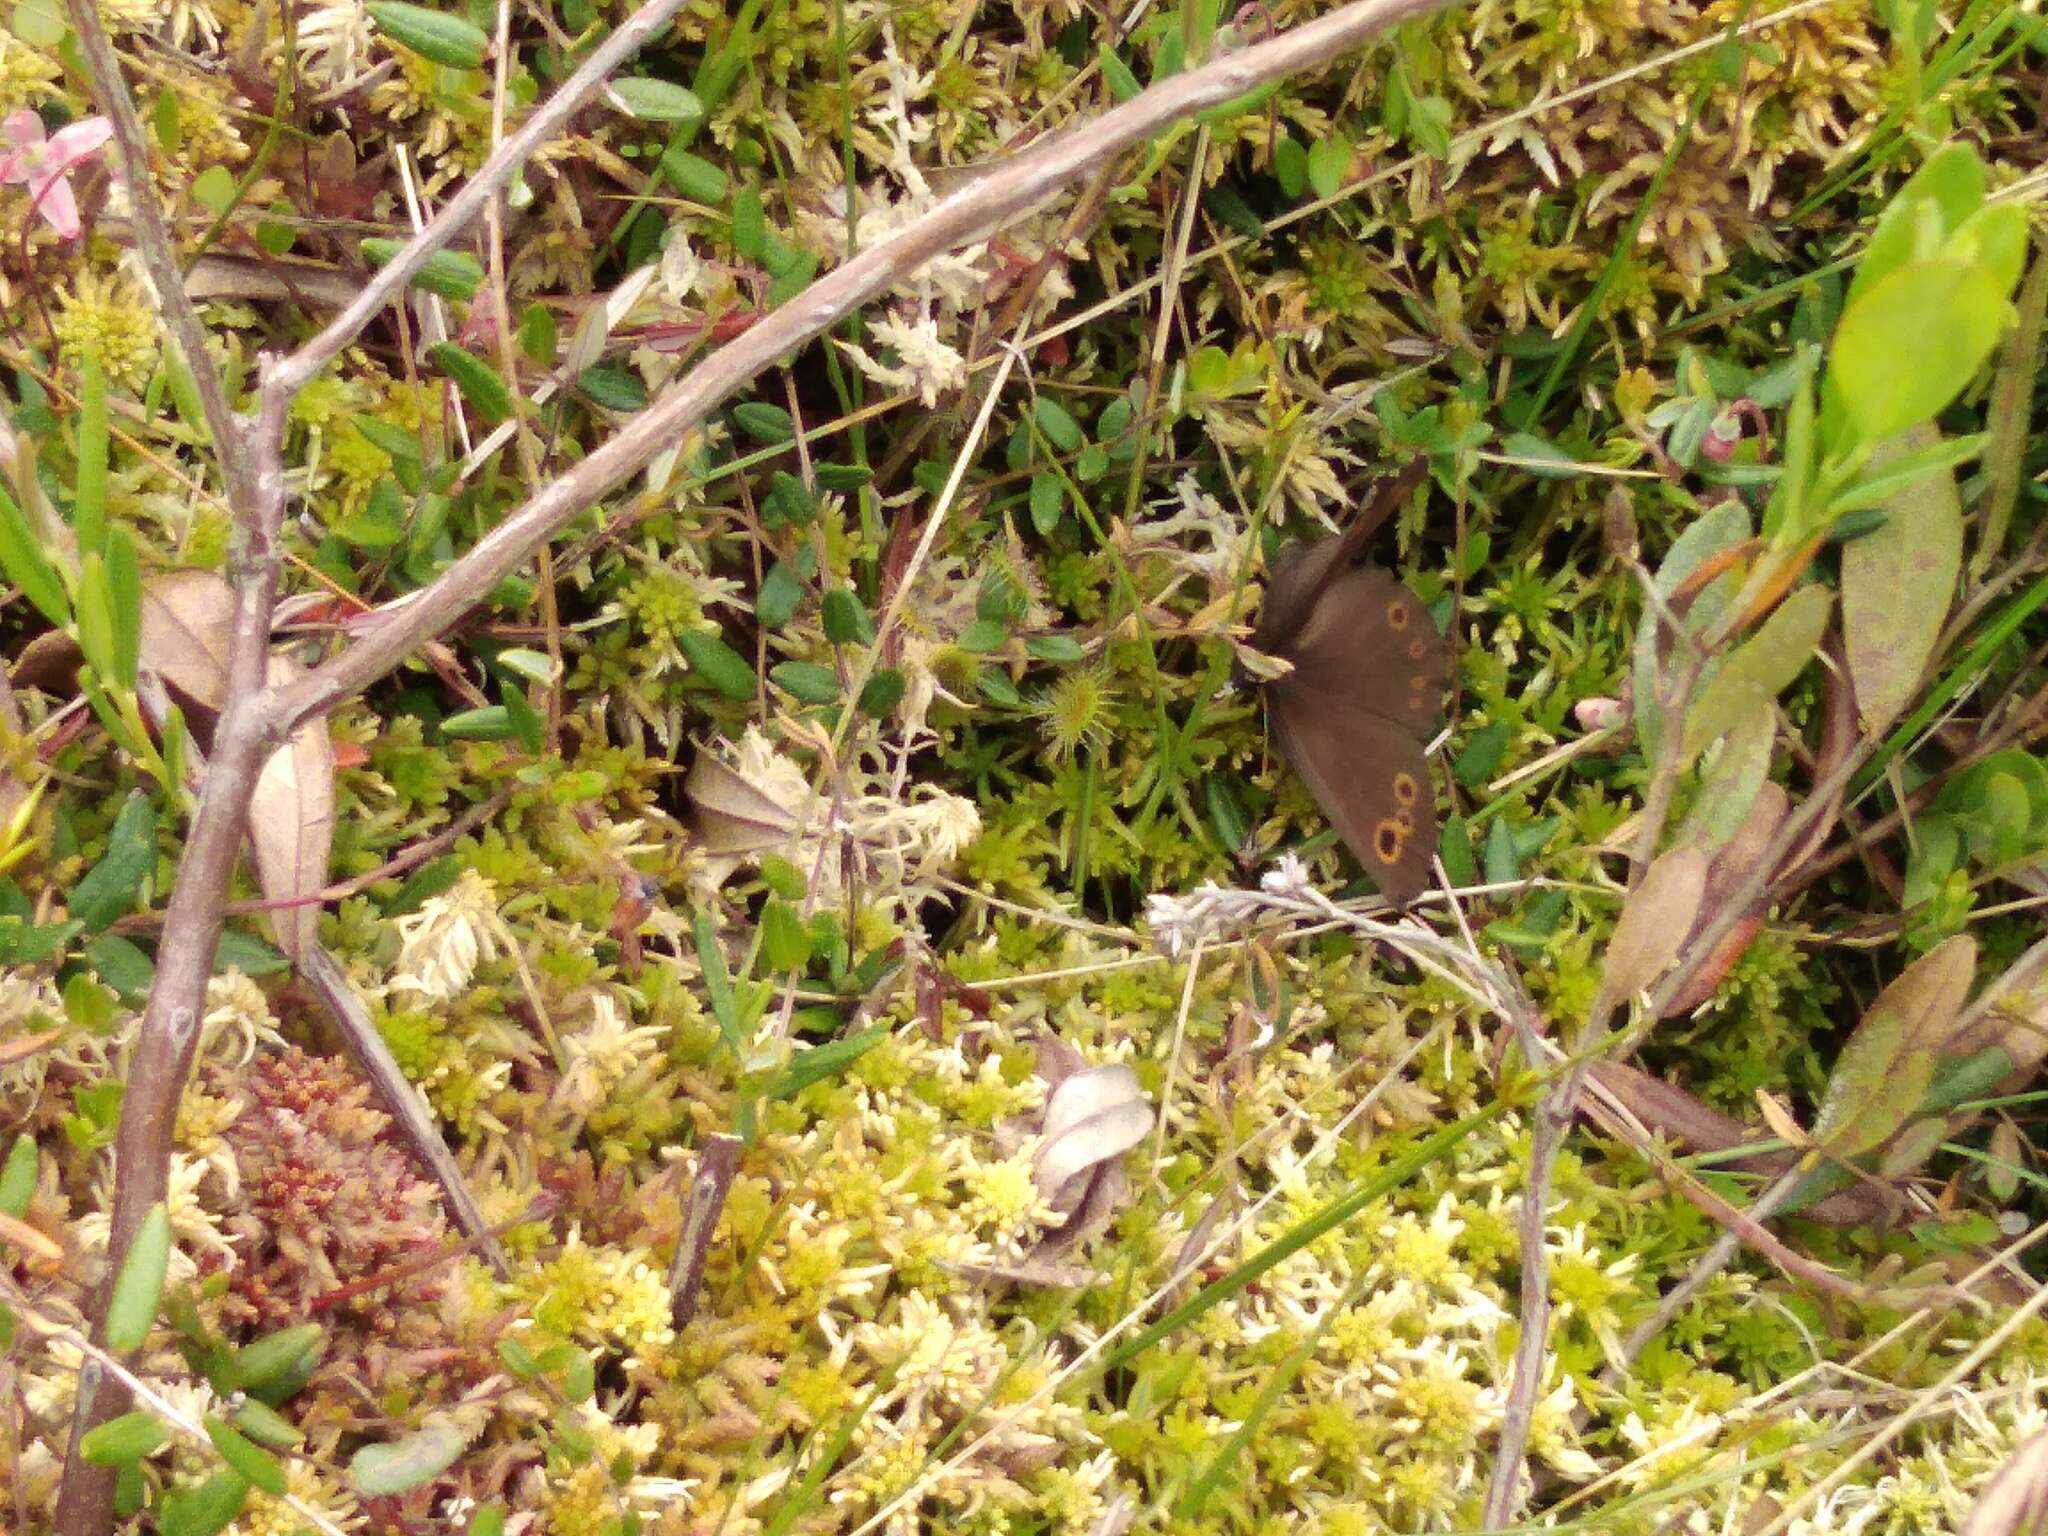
(1370, 777)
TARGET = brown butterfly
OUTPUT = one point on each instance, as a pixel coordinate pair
(1353, 717)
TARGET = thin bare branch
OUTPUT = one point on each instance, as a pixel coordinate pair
(401, 1100)
(505, 162)
(1005, 194)
(110, 90)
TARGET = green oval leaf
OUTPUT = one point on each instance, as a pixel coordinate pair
(1058, 425)
(1757, 670)
(207, 1509)
(139, 1287)
(486, 393)
(119, 1441)
(1328, 159)
(806, 682)
(450, 40)
(612, 387)
(265, 1425)
(18, 1177)
(717, 663)
(406, 1463)
(785, 941)
(110, 888)
(450, 274)
(657, 101)
(882, 693)
(279, 1361)
(1907, 347)
(693, 176)
(764, 423)
(262, 1469)
(846, 621)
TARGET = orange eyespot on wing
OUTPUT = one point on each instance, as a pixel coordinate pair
(1417, 650)
(1397, 615)
(1406, 790)
(1388, 839)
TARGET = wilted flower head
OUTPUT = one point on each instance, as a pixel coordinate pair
(448, 937)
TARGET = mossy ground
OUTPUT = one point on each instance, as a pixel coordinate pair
(885, 1337)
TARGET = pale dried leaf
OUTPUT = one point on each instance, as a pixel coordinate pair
(1026, 1271)
(1093, 1117)
(2002, 1173)
(1885, 1068)
(2015, 1502)
(1758, 669)
(1779, 1120)
(1897, 584)
(33, 1241)
(48, 662)
(734, 816)
(1731, 866)
(188, 619)
(1659, 914)
(291, 824)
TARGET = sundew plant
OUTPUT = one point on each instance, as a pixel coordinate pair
(650, 881)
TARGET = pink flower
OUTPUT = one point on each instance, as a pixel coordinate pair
(43, 163)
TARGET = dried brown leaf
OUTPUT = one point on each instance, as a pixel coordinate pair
(733, 815)
(33, 1241)
(1659, 914)
(1093, 1117)
(291, 824)
(1731, 866)
(1885, 1068)
(2002, 1171)
(188, 619)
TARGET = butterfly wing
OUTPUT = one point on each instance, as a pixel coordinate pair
(1372, 642)
(1371, 779)
(1355, 714)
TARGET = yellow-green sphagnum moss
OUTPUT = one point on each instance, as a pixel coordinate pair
(1076, 1125)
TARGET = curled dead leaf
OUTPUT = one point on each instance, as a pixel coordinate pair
(1660, 912)
(1094, 1117)
(40, 1247)
(734, 815)
(188, 620)
(291, 824)
(1768, 808)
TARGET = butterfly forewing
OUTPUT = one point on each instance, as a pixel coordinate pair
(1371, 642)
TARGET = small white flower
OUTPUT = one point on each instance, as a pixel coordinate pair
(924, 362)
(602, 1055)
(444, 942)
